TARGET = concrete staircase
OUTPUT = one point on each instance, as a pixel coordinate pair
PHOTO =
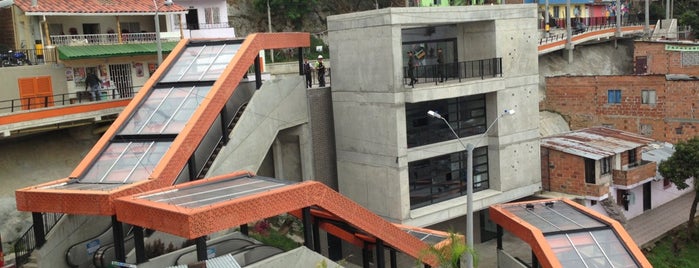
(613, 210)
(33, 261)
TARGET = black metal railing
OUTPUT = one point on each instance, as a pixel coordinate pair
(26, 243)
(31, 103)
(455, 71)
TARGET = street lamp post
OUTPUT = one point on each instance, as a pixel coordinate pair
(157, 29)
(469, 178)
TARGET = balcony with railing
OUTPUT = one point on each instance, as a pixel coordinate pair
(634, 174)
(110, 39)
(596, 190)
(456, 71)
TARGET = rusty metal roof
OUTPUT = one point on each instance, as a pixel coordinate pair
(595, 142)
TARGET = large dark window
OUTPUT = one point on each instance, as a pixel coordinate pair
(589, 170)
(466, 115)
(443, 177)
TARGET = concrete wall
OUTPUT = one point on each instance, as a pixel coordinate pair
(280, 104)
(10, 75)
(369, 105)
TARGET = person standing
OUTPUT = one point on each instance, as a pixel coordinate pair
(93, 83)
(440, 66)
(320, 69)
(307, 70)
(411, 69)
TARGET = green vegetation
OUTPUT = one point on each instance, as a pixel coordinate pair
(682, 166)
(675, 251)
(274, 238)
(448, 256)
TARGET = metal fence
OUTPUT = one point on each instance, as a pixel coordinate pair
(26, 243)
(455, 71)
(31, 103)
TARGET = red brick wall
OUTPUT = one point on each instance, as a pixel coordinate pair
(582, 101)
(661, 61)
(566, 173)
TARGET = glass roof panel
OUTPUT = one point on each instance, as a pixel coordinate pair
(165, 110)
(425, 237)
(126, 162)
(599, 248)
(557, 216)
(201, 63)
(217, 191)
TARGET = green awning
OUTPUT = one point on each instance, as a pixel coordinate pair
(105, 51)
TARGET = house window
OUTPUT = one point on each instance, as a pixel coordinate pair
(614, 96)
(212, 15)
(130, 27)
(632, 157)
(646, 130)
(443, 177)
(55, 29)
(606, 165)
(593, 202)
(611, 126)
(678, 130)
(648, 97)
(589, 171)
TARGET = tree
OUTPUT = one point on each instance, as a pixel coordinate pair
(682, 166)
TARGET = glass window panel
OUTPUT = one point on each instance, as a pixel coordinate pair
(165, 110)
(199, 63)
(126, 162)
(459, 112)
(442, 178)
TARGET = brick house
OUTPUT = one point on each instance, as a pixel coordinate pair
(657, 57)
(599, 164)
(661, 107)
(658, 102)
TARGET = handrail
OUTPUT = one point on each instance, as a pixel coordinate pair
(26, 243)
(456, 71)
(32, 103)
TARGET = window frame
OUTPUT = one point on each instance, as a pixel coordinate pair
(649, 97)
(614, 96)
(605, 165)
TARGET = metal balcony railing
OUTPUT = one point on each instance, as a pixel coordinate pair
(455, 71)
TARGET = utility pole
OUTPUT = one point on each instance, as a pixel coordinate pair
(269, 22)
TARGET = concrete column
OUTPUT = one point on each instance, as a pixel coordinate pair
(568, 50)
(278, 156)
(618, 18)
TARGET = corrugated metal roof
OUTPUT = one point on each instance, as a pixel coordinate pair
(103, 51)
(596, 142)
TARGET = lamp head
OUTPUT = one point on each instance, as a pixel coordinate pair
(508, 112)
(168, 3)
(434, 114)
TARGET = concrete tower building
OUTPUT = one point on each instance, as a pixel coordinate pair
(407, 167)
